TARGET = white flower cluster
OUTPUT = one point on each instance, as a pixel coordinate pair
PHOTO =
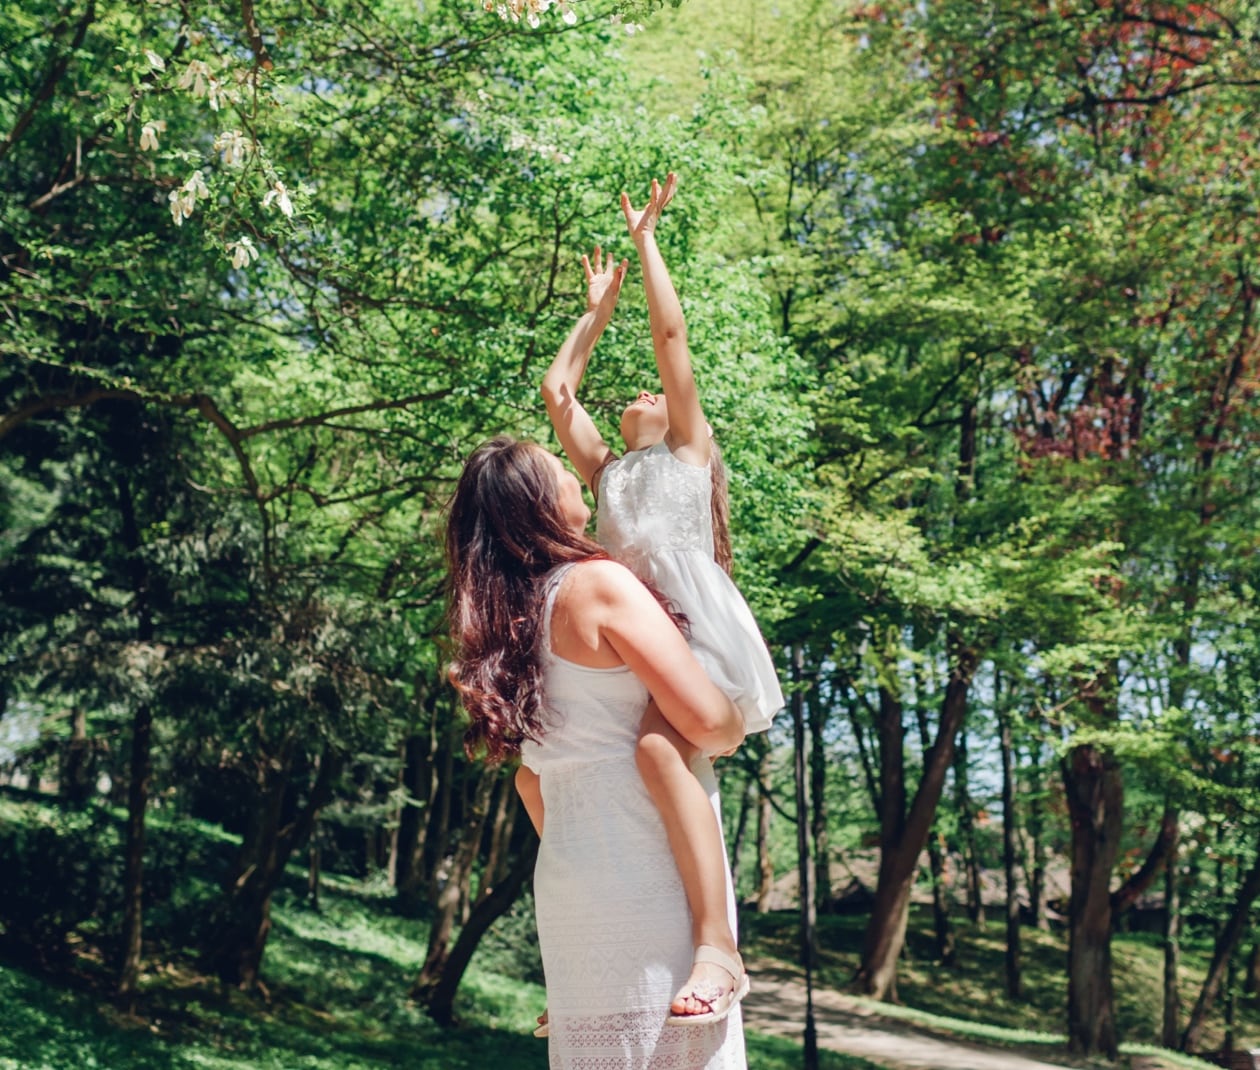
(201, 81)
(530, 10)
(279, 196)
(184, 199)
(523, 142)
(234, 147)
(149, 134)
(242, 251)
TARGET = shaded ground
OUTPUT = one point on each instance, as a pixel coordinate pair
(776, 1006)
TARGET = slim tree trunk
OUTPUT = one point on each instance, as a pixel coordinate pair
(1171, 1025)
(141, 763)
(967, 832)
(765, 867)
(438, 992)
(449, 899)
(1034, 857)
(502, 824)
(944, 928)
(1226, 943)
(903, 834)
(133, 874)
(818, 801)
(1014, 986)
(747, 799)
(76, 781)
(1094, 797)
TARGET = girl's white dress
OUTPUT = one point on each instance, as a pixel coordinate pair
(655, 517)
(613, 923)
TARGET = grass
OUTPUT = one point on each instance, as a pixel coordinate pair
(336, 1000)
(968, 1001)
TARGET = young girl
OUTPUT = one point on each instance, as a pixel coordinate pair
(662, 512)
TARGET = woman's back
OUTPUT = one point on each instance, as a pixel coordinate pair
(613, 923)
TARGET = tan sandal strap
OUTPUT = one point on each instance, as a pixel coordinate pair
(718, 957)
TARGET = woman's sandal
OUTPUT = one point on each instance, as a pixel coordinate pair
(719, 1001)
(544, 1026)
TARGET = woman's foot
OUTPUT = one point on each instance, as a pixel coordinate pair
(716, 984)
(544, 1026)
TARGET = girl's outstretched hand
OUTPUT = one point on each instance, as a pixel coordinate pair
(643, 221)
(603, 282)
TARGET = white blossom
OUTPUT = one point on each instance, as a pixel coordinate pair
(280, 196)
(149, 134)
(234, 147)
(242, 251)
(184, 200)
(155, 61)
(194, 77)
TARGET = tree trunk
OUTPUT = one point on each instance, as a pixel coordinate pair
(133, 873)
(818, 802)
(1014, 986)
(1171, 1025)
(502, 825)
(438, 992)
(266, 847)
(1094, 797)
(312, 871)
(450, 895)
(765, 867)
(746, 799)
(967, 833)
(1035, 857)
(76, 781)
(902, 835)
(1226, 943)
(946, 950)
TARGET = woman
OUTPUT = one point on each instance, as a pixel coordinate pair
(558, 651)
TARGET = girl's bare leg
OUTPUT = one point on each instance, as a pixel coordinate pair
(663, 758)
(530, 791)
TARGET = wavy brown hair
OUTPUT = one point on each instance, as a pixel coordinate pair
(504, 534)
(720, 509)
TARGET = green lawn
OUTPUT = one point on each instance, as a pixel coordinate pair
(336, 986)
(971, 997)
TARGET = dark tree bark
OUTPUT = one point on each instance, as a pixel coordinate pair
(76, 779)
(1170, 1028)
(1144, 876)
(266, 847)
(412, 860)
(449, 897)
(903, 833)
(438, 993)
(1014, 985)
(1034, 857)
(1227, 942)
(818, 801)
(765, 867)
(140, 765)
(1094, 792)
(502, 825)
(967, 832)
(747, 799)
(946, 949)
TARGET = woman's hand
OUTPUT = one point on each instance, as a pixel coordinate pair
(642, 222)
(603, 283)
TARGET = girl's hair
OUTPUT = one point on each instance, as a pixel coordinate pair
(720, 507)
(504, 534)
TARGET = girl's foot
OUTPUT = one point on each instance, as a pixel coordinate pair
(544, 1027)
(716, 984)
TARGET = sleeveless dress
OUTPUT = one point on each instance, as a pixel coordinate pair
(655, 518)
(613, 923)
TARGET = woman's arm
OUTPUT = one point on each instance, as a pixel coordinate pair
(605, 617)
(579, 437)
(688, 430)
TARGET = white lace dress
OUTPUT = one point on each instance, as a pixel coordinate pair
(655, 517)
(613, 923)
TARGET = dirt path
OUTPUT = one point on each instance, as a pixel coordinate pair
(776, 1006)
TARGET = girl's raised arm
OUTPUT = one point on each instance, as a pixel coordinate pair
(579, 437)
(688, 434)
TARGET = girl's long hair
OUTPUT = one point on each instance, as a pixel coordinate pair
(504, 534)
(720, 508)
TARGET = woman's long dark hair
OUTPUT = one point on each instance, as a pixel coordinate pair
(504, 535)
